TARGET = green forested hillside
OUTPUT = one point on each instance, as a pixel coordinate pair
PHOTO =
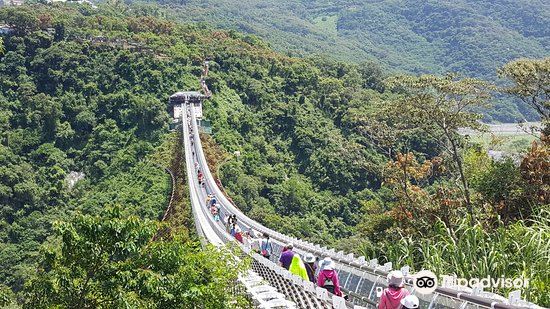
(471, 37)
(467, 36)
(85, 90)
(337, 153)
(328, 155)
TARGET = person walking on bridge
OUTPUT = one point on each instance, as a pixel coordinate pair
(286, 256)
(200, 176)
(309, 262)
(227, 222)
(265, 247)
(254, 240)
(395, 292)
(215, 210)
(328, 277)
(248, 240)
(298, 268)
(233, 229)
(238, 234)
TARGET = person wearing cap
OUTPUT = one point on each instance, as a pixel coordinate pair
(410, 302)
(395, 292)
(286, 256)
(328, 277)
(297, 267)
(309, 262)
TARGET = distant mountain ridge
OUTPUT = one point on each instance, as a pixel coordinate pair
(468, 36)
(471, 37)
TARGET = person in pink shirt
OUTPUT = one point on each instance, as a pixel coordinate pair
(328, 277)
(394, 293)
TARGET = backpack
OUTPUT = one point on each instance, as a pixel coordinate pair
(328, 285)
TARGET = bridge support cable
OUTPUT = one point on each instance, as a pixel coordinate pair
(363, 278)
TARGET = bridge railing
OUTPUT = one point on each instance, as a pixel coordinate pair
(364, 276)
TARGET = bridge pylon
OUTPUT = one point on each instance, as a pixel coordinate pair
(180, 99)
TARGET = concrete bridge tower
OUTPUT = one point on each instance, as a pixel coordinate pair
(178, 100)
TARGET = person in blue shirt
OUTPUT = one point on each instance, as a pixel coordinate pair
(265, 247)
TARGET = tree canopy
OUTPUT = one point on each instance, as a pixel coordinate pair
(109, 261)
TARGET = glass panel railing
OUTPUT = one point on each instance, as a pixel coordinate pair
(446, 302)
(379, 284)
(352, 283)
(424, 301)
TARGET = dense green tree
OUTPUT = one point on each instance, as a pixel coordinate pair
(23, 21)
(108, 261)
(85, 90)
(503, 187)
(531, 83)
(441, 106)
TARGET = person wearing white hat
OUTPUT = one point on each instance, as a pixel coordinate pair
(309, 262)
(395, 292)
(328, 277)
(410, 302)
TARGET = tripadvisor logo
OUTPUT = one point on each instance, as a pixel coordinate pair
(487, 282)
(425, 282)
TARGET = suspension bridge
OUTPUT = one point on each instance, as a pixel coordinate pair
(271, 286)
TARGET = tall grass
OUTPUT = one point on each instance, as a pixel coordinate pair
(520, 250)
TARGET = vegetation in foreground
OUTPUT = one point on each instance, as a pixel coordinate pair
(109, 261)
